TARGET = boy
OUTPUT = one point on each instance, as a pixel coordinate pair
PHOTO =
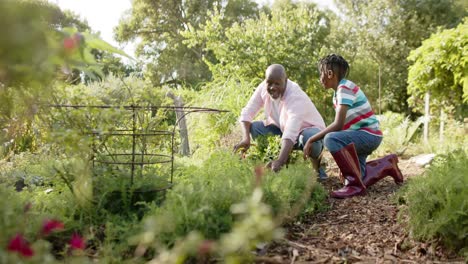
(354, 133)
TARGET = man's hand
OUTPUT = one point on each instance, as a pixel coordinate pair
(307, 149)
(243, 146)
(275, 165)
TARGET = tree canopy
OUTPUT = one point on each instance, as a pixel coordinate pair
(290, 35)
(440, 66)
(158, 25)
(387, 30)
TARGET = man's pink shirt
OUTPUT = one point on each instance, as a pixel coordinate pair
(296, 110)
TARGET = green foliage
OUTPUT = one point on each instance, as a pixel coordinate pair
(267, 148)
(385, 31)
(453, 138)
(12, 208)
(440, 67)
(158, 24)
(254, 225)
(202, 198)
(399, 133)
(229, 94)
(36, 47)
(436, 202)
(285, 190)
(289, 35)
(404, 136)
(24, 215)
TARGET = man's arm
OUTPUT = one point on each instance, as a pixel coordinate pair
(248, 113)
(244, 145)
(286, 148)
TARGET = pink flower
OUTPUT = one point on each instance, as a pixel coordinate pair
(77, 242)
(20, 245)
(50, 225)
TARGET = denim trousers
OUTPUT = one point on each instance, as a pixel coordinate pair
(258, 128)
(364, 143)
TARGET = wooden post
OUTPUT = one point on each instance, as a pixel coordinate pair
(442, 123)
(380, 98)
(426, 117)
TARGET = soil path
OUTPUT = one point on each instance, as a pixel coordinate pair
(362, 229)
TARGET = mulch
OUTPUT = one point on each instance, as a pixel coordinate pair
(364, 229)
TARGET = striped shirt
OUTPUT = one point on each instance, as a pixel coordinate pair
(359, 115)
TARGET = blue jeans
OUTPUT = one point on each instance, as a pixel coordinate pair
(364, 143)
(259, 129)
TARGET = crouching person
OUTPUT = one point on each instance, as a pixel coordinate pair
(354, 134)
(289, 113)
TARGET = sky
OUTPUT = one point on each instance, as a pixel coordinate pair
(104, 15)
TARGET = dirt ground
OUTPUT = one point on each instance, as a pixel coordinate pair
(361, 229)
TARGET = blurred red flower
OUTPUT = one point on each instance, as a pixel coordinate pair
(77, 242)
(259, 172)
(20, 245)
(50, 225)
(27, 207)
(205, 247)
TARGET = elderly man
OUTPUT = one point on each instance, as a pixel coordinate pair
(289, 113)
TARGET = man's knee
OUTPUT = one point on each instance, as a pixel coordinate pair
(256, 129)
(316, 150)
(259, 129)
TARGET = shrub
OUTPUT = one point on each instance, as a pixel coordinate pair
(437, 202)
(202, 198)
(398, 133)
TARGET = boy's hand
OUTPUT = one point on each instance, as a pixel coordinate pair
(307, 149)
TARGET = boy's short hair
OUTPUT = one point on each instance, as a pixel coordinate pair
(337, 64)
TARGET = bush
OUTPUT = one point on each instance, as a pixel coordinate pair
(202, 198)
(398, 133)
(437, 202)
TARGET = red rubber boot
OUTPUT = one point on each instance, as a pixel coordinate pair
(348, 162)
(380, 168)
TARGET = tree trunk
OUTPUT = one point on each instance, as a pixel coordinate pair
(184, 140)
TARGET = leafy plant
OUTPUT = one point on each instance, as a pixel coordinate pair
(436, 202)
(267, 148)
(202, 198)
(399, 133)
(439, 67)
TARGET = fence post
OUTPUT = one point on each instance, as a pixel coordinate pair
(442, 124)
(380, 89)
(426, 117)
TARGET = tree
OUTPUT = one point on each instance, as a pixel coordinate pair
(386, 31)
(290, 35)
(440, 66)
(158, 24)
(36, 48)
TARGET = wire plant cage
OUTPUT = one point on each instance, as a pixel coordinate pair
(138, 142)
